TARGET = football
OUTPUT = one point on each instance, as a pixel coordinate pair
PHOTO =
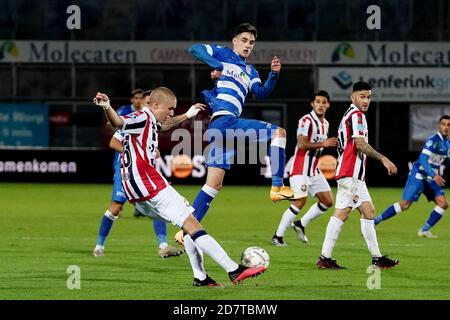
(255, 257)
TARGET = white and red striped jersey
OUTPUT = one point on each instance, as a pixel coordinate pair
(351, 162)
(140, 179)
(306, 161)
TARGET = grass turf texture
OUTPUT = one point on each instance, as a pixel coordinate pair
(47, 227)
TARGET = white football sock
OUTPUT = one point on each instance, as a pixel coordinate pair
(314, 212)
(370, 235)
(331, 236)
(163, 245)
(286, 220)
(195, 257)
(212, 248)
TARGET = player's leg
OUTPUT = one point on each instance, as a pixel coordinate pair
(206, 195)
(299, 185)
(106, 224)
(259, 131)
(217, 161)
(434, 192)
(171, 206)
(320, 189)
(164, 250)
(286, 221)
(277, 164)
(367, 211)
(413, 189)
(334, 226)
(211, 247)
(345, 196)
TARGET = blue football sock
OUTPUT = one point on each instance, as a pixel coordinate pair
(388, 213)
(105, 227)
(277, 162)
(432, 220)
(203, 201)
(160, 231)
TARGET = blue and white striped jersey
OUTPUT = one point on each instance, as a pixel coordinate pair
(237, 80)
(434, 153)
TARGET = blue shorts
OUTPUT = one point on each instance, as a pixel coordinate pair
(118, 194)
(226, 132)
(415, 187)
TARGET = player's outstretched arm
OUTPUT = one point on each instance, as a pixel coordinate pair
(191, 113)
(114, 119)
(304, 144)
(367, 149)
(263, 91)
(201, 52)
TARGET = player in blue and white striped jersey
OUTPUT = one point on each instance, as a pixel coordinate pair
(234, 80)
(426, 177)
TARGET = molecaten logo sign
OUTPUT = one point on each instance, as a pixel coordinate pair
(343, 50)
(9, 48)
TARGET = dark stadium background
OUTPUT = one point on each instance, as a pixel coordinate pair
(76, 130)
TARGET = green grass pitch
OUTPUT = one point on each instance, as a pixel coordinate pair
(45, 228)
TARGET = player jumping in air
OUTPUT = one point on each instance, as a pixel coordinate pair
(234, 79)
(426, 177)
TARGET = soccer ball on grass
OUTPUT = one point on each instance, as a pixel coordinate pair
(255, 257)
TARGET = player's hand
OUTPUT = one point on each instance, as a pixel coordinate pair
(391, 168)
(331, 142)
(216, 74)
(102, 100)
(194, 110)
(275, 65)
(439, 180)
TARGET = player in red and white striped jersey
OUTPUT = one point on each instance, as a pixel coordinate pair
(352, 193)
(306, 178)
(154, 196)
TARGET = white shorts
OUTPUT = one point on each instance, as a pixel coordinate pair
(305, 185)
(351, 193)
(167, 205)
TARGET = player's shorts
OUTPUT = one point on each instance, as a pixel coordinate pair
(415, 187)
(167, 205)
(351, 193)
(223, 133)
(304, 185)
(118, 194)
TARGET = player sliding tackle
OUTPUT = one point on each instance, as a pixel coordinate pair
(151, 192)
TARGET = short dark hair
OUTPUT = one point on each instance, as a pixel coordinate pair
(444, 117)
(320, 93)
(246, 27)
(361, 85)
(146, 93)
(136, 91)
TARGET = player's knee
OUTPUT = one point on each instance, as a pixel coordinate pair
(280, 132)
(216, 185)
(191, 225)
(299, 203)
(327, 203)
(404, 205)
(443, 204)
